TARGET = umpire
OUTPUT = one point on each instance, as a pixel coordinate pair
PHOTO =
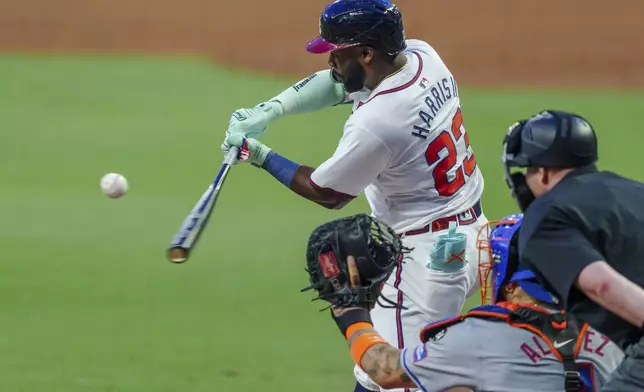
(583, 230)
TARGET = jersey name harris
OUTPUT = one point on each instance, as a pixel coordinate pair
(535, 349)
(439, 93)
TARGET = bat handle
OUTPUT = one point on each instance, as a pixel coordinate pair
(231, 157)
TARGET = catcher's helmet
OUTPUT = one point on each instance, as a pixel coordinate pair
(501, 247)
(551, 139)
(346, 23)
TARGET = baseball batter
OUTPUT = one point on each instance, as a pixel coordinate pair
(405, 146)
(521, 343)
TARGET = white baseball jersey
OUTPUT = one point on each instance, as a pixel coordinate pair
(494, 356)
(405, 146)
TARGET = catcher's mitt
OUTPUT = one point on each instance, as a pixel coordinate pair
(376, 249)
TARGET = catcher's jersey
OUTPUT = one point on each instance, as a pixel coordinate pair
(405, 146)
(494, 356)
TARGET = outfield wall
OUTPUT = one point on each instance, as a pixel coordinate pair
(485, 42)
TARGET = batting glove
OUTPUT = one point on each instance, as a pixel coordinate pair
(252, 123)
(250, 150)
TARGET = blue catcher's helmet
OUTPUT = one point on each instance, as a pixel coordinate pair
(505, 266)
(346, 23)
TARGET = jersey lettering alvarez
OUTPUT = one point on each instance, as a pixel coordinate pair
(495, 356)
(406, 147)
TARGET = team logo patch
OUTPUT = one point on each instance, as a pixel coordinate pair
(466, 216)
(244, 153)
(438, 335)
(420, 353)
(329, 264)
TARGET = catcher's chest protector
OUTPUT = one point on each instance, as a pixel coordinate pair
(551, 327)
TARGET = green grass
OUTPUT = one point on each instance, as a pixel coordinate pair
(87, 300)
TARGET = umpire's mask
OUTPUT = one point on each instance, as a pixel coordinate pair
(550, 139)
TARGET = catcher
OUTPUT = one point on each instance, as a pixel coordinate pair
(520, 342)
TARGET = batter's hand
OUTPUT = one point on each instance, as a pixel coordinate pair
(252, 123)
(250, 150)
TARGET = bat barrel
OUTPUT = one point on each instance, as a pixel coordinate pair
(188, 234)
(178, 254)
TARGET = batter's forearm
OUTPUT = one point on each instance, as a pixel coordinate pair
(298, 178)
(303, 186)
(614, 292)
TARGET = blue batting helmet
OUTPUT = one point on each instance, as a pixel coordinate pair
(346, 23)
(505, 266)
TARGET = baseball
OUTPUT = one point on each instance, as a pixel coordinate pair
(114, 185)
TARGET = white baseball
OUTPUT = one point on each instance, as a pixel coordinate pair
(114, 185)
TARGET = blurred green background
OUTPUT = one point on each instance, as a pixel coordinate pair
(88, 301)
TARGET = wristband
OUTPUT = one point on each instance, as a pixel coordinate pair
(354, 327)
(280, 167)
(363, 343)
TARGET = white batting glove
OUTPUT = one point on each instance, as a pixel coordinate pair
(250, 150)
(252, 123)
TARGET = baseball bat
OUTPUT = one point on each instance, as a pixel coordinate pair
(194, 224)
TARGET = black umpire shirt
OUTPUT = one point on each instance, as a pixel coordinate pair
(588, 216)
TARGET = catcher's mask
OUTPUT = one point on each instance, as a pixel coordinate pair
(501, 249)
(549, 139)
(375, 246)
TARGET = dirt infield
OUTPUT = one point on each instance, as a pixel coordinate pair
(485, 42)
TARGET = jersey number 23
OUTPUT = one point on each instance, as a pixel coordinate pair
(447, 140)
